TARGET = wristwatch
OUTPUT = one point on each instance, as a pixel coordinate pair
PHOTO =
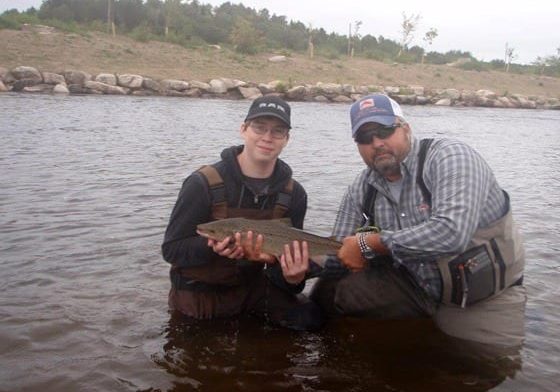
(367, 252)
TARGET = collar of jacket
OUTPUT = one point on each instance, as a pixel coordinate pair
(280, 176)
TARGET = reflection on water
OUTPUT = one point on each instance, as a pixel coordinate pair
(350, 355)
(88, 185)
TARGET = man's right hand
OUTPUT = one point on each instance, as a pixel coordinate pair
(226, 248)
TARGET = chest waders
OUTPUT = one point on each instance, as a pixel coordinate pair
(494, 259)
(219, 273)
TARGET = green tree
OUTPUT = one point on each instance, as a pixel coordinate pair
(244, 37)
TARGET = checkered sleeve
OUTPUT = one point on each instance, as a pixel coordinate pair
(459, 180)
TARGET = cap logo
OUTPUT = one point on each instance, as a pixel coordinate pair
(367, 103)
(272, 105)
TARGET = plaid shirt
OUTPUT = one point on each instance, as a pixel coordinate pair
(465, 197)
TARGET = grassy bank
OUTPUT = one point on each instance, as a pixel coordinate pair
(97, 52)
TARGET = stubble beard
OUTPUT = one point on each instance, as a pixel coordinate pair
(387, 167)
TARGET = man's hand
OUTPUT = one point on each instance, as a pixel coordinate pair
(295, 266)
(226, 248)
(350, 254)
(253, 250)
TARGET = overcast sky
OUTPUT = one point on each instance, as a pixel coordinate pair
(481, 27)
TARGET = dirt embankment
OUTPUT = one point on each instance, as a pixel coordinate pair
(98, 52)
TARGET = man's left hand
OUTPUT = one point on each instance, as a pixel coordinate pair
(252, 249)
(350, 254)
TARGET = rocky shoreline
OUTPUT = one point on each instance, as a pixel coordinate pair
(28, 79)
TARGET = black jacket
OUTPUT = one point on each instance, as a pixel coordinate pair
(182, 246)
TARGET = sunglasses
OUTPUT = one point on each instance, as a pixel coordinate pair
(366, 136)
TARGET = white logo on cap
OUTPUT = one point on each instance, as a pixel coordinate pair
(272, 105)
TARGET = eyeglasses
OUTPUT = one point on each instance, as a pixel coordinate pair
(276, 132)
(383, 132)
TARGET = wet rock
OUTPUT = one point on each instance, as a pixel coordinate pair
(296, 93)
(328, 89)
(76, 77)
(19, 85)
(443, 102)
(61, 89)
(53, 78)
(342, 99)
(250, 92)
(174, 85)
(98, 87)
(218, 86)
(151, 84)
(130, 80)
(39, 88)
(29, 73)
(320, 98)
(107, 78)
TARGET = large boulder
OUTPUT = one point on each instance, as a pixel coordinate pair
(76, 77)
(102, 88)
(328, 89)
(200, 85)
(30, 73)
(218, 86)
(342, 99)
(3, 87)
(20, 84)
(130, 80)
(271, 87)
(250, 92)
(53, 78)
(174, 84)
(151, 84)
(60, 89)
(107, 78)
(39, 88)
(296, 93)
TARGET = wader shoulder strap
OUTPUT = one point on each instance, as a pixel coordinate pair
(283, 201)
(369, 205)
(424, 147)
(217, 191)
(371, 192)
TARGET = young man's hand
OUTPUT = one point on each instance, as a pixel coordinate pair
(295, 264)
(252, 248)
(226, 248)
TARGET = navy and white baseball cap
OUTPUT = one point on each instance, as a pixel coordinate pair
(376, 108)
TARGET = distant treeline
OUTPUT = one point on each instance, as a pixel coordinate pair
(240, 28)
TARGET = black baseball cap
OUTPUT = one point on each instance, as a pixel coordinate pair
(270, 105)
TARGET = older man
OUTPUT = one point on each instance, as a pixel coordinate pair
(445, 234)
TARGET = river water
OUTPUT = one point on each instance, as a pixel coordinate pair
(88, 183)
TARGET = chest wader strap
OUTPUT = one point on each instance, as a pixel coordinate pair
(217, 191)
(283, 201)
(218, 198)
(371, 192)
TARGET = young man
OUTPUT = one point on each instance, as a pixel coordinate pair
(447, 236)
(213, 279)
